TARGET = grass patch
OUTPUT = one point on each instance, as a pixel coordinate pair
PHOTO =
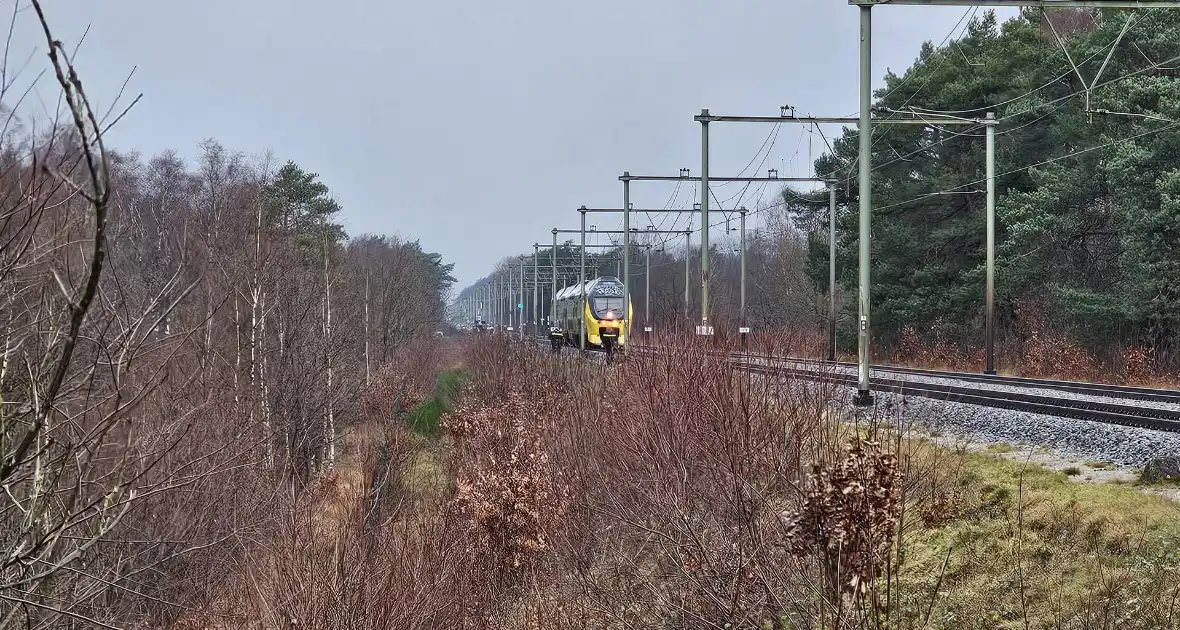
(1001, 447)
(1029, 544)
(425, 419)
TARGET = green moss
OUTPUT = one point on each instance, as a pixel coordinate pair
(425, 419)
(1029, 543)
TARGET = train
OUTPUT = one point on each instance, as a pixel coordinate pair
(602, 318)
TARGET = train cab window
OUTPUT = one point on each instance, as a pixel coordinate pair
(602, 306)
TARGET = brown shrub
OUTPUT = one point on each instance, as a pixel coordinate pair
(850, 510)
(1048, 354)
(911, 348)
(677, 466)
(506, 485)
(1137, 364)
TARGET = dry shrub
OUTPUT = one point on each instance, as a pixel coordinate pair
(408, 379)
(850, 509)
(506, 485)
(679, 469)
(391, 391)
(1049, 354)
(796, 342)
(910, 348)
(412, 572)
(933, 351)
(941, 508)
(677, 466)
(348, 552)
(1137, 364)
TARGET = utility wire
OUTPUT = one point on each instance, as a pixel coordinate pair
(1059, 158)
(1065, 73)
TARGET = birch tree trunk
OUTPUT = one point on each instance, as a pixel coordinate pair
(329, 416)
(367, 335)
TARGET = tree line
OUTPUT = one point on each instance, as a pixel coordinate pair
(1087, 214)
(182, 345)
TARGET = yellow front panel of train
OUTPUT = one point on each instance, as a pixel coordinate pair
(595, 325)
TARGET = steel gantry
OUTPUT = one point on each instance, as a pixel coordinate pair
(864, 121)
(704, 328)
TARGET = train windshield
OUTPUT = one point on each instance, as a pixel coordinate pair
(604, 306)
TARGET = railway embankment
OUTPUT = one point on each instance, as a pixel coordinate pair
(679, 487)
(676, 489)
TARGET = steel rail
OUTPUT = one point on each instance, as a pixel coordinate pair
(1108, 413)
(980, 395)
(1105, 390)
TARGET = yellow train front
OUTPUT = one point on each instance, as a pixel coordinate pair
(601, 315)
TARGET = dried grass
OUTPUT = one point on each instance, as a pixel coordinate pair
(681, 491)
(1043, 353)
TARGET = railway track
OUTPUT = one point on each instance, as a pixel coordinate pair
(1106, 403)
(1126, 392)
(978, 392)
(1110, 404)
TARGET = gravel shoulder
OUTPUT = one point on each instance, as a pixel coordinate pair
(1089, 452)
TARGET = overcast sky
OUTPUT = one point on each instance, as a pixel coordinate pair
(479, 126)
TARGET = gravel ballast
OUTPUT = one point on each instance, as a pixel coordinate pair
(1084, 439)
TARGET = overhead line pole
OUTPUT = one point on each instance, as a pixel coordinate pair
(863, 396)
(553, 296)
(626, 253)
(743, 327)
(866, 7)
(520, 303)
(990, 323)
(647, 290)
(536, 318)
(864, 122)
(705, 328)
(582, 288)
(687, 274)
(832, 273)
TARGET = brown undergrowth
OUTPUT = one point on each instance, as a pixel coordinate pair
(369, 545)
(680, 491)
(677, 491)
(1043, 353)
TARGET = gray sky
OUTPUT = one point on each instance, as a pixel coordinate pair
(477, 127)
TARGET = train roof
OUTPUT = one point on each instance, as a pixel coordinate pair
(574, 289)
